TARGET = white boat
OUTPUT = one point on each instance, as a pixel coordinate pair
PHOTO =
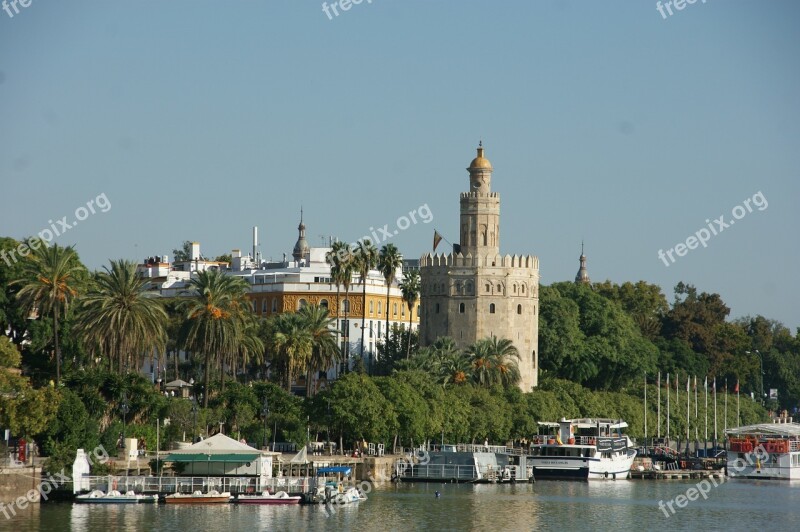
(582, 449)
(348, 495)
(198, 497)
(280, 497)
(115, 497)
(764, 451)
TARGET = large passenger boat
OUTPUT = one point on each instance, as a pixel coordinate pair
(582, 449)
(765, 451)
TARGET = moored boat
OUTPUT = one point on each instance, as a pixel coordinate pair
(764, 451)
(114, 497)
(581, 449)
(280, 497)
(198, 497)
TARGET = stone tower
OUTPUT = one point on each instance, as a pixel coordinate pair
(475, 292)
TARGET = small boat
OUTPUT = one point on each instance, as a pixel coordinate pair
(765, 451)
(198, 497)
(115, 497)
(280, 497)
(582, 449)
(348, 495)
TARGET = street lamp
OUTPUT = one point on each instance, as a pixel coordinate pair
(124, 408)
(194, 412)
(371, 351)
(761, 368)
(265, 413)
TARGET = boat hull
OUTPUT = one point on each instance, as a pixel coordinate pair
(198, 499)
(268, 500)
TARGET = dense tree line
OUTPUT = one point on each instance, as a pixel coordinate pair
(72, 338)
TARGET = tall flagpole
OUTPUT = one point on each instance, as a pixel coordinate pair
(668, 412)
(738, 419)
(688, 406)
(725, 430)
(715, 410)
(658, 404)
(705, 385)
(695, 409)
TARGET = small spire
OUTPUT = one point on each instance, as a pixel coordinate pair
(480, 143)
(583, 273)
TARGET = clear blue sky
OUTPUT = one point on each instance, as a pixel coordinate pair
(604, 122)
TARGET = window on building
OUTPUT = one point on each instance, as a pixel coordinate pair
(491, 308)
(461, 308)
(346, 305)
(323, 303)
(371, 307)
(301, 303)
(345, 325)
(274, 304)
(519, 309)
(379, 328)
(403, 310)
(418, 311)
(370, 328)
(515, 289)
(499, 288)
(488, 288)
(263, 306)
(380, 307)
(523, 289)
(437, 308)
(394, 309)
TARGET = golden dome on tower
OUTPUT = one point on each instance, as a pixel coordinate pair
(480, 162)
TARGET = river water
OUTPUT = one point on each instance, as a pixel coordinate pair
(553, 505)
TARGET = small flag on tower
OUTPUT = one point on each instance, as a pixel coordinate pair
(436, 239)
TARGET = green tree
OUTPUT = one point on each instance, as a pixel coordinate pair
(118, 317)
(389, 261)
(183, 254)
(214, 317)
(292, 343)
(23, 409)
(342, 265)
(410, 288)
(325, 353)
(49, 285)
(494, 361)
(408, 422)
(366, 258)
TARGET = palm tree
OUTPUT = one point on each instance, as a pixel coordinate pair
(325, 351)
(494, 361)
(292, 342)
(49, 286)
(250, 346)
(335, 258)
(214, 317)
(342, 274)
(410, 289)
(389, 261)
(121, 318)
(365, 260)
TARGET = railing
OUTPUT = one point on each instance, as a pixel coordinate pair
(234, 485)
(458, 472)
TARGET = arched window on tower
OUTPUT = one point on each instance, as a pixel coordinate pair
(519, 309)
(461, 308)
(491, 308)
